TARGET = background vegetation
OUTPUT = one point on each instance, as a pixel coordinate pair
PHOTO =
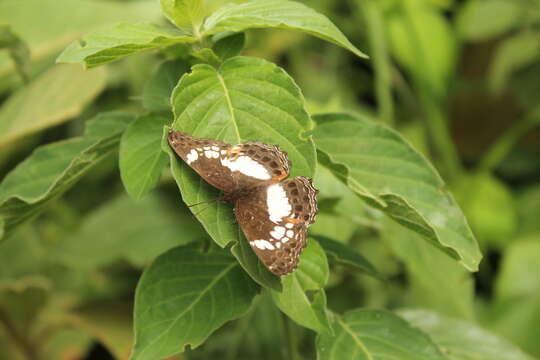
(82, 218)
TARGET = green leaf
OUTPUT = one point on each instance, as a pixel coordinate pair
(481, 20)
(122, 40)
(186, 14)
(344, 255)
(515, 313)
(246, 99)
(18, 51)
(227, 44)
(53, 169)
(435, 280)
(141, 158)
(158, 89)
(375, 335)
(423, 42)
(142, 231)
(513, 54)
(383, 169)
(462, 340)
(489, 206)
(243, 252)
(54, 97)
(303, 298)
(183, 297)
(43, 24)
(276, 14)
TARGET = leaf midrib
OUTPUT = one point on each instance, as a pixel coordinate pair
(193, 303)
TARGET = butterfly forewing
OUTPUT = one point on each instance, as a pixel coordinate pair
(231, 168)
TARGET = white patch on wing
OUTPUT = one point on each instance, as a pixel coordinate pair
(247, 166)
(290, 233)
(275, 235)
(277, 203)
(192, 156)
(262, 244)
(289, 225)
(279, 229)
(284, 240)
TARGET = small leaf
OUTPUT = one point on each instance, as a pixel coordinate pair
(53, 169)
(276, 14)
(55, 96)
(375, 335)
(462, 340)
(157, 92)
(303, 298)
(513, 54)
(186, 14)
(141, 158)
(384, 170)
(183, 297)
(227, 44)
(481, 20)
(344, 255)
(142, 231)
(122, 40)
(246, 99)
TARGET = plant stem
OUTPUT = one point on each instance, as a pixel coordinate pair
(290, 338)
(24, 344)
(381, 60)
(498, 151)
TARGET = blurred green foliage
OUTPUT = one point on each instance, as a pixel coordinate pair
(460, 80)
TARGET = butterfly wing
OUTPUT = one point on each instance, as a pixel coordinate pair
(231, 168)
(274, 220)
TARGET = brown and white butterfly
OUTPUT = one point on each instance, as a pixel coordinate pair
(272, 212)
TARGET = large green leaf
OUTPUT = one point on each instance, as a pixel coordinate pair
(435, 280)
(56, 96)
(375, 335)
(303, 298)
(276, 14)
(183, 297)
(43, 24)
(388, 173)
(142, 230)
(54, 168)
(246, 99)
(119, 41)
(141, 158)
(462, 340)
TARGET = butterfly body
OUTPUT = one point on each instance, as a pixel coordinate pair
(273, 214)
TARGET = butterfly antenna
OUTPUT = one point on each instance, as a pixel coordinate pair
(203, 202)
(210, 203)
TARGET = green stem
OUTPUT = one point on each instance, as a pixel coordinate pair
(290, 338)
(432, 104)
(381, 60)
(499, 151)
(23, 343)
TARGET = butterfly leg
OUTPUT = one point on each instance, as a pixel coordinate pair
(293, 220)
(279, 175)
(234, 152)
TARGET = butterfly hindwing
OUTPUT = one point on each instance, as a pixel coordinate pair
(275, 220)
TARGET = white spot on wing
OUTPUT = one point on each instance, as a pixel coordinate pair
(289, 225)
(192, 156)
(284, 240)
(279, 229)
(247, 166)
(277, 203)
(262, 244)
(275, 235)
(290, 233)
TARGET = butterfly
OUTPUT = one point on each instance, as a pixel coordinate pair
(273, 213)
